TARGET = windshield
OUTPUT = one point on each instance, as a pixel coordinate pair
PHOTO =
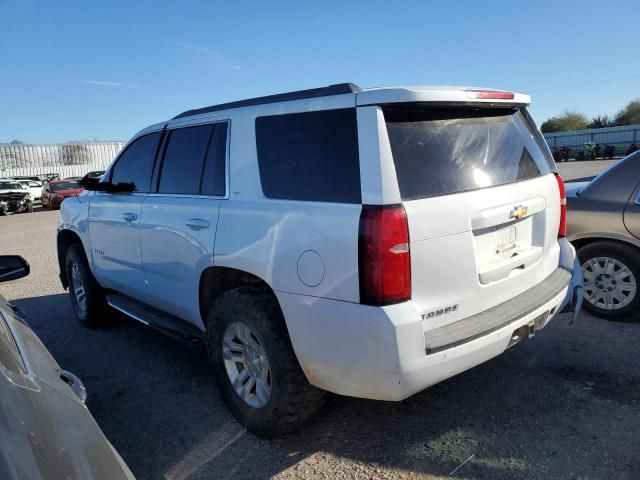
(10, 186)
(438, 151)
(59, 186)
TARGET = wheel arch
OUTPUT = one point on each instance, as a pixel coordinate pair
(583, 242)
(216, 280)
(64, 240)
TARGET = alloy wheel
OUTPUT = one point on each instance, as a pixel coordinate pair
(246, 364)
(78, 288)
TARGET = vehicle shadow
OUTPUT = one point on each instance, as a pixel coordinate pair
(558, 406)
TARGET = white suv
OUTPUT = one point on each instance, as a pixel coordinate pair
(364, 242)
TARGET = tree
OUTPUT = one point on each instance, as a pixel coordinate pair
(566, 122)
(75, 154)
(629, 115)
(601, 121)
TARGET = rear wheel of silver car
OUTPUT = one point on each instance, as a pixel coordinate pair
(87, 296)
(611, 274)
(246, 364)
(254, 364)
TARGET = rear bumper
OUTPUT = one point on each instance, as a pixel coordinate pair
(385, 354)
(573, 300)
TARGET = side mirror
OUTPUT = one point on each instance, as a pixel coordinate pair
(13, 267)
(93, 184)
(90, 183)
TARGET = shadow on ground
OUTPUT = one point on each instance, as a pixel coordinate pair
(564, 405)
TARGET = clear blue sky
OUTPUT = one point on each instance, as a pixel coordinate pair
(75, 69)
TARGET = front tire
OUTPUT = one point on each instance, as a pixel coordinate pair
(611, 274)
(254, 364)
(87, 296)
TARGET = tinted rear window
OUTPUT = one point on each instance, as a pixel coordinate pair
(183, 159)
(310, 156)
(440, 151)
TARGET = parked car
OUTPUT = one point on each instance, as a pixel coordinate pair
(55, 191)
(604, 225)
(9, 185)
(33, 187)
(46, 177)
(369, 243)
(14, 198)
(26, 177)
(46, 429)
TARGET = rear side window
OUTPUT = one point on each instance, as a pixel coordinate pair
(183, 159)
(194, 161)
(310, 156)
(135, 164)
(439, 151)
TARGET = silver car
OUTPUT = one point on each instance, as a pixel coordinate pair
(46, 430)
(603, 223)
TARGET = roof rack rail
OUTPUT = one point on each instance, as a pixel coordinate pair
(337, 89)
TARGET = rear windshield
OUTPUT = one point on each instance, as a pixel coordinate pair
(59, 186)
(439, 151)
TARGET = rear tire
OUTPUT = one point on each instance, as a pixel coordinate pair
(245, 327)
(611, 279)
(87, 296)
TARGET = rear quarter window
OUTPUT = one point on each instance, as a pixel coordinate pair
(440, 151)
(310, 156)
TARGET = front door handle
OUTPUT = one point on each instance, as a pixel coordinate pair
(129, 217)
(197, 223)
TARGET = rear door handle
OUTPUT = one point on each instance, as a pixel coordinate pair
(197, 223)
(129, 217)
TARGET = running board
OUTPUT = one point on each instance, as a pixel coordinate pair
(157, 319)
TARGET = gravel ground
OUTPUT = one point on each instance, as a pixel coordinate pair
(565, 404)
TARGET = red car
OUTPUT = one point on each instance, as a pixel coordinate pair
(55, 191)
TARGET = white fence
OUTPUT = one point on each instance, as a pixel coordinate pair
(67, 160)
(620, 137)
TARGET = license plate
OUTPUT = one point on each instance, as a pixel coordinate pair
(507, 240)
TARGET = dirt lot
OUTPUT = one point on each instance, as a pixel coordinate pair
(565, 404)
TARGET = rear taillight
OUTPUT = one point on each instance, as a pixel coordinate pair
(384, 257)
(562, 229)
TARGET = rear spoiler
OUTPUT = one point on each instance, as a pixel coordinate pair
(443, 95)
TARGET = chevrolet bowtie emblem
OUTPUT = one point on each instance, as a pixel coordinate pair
(518, 212)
